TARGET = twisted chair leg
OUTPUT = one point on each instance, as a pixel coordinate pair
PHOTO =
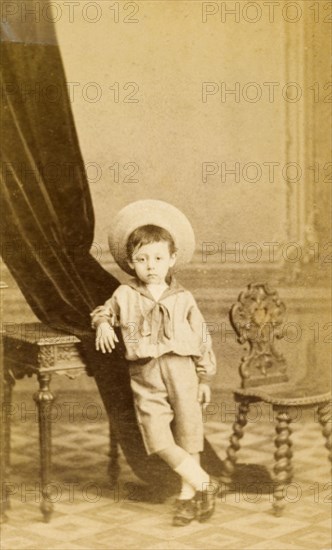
(282, 455)
(324, 417)
(289, 455)
(289, 468)
(233, 448)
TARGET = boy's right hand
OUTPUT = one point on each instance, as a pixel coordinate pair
(105, 338)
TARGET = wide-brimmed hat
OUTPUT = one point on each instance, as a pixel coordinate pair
(151, 212)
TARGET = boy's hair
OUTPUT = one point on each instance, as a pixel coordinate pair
(147, 234)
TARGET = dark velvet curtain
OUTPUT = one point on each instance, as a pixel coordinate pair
(47, 219)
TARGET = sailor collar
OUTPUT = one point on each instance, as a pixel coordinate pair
(173, 288)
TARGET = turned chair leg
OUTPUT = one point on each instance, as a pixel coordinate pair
(282, 455)
(113, 465)
(324, 417)
(44, 398)
(232, 450)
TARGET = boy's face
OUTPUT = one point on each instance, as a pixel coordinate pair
(152, 262)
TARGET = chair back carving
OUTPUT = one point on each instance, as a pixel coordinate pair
(257, 317)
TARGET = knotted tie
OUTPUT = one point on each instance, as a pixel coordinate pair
(157, 321)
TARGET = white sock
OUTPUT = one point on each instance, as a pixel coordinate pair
(187, 491)
(192, 473)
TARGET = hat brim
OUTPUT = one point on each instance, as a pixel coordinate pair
(151, 212)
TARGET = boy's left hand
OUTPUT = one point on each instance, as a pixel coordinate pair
(204, 393)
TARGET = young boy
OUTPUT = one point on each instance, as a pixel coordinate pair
(162, 328)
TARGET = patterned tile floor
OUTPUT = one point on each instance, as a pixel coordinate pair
(89, 515)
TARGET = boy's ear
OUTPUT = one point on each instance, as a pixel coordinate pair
(131, 265)
(173, 259)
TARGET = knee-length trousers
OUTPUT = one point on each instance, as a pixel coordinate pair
(166, 402)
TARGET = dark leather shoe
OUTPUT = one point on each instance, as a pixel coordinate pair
(206, 501)
(185, 512)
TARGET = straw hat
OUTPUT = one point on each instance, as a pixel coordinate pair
(151, 212)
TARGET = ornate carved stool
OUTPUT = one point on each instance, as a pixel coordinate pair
(257, 318)
(34, 348)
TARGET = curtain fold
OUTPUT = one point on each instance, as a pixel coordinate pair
(47, 219)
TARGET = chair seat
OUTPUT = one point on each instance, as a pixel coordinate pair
(286, 394)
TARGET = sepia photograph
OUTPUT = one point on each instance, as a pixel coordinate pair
(166, 250)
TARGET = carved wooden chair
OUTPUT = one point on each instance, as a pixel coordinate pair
(257, 318)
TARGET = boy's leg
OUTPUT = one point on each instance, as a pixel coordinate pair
(186, 466)
(194, 476)
(168, 412)
(179, 374)
(187, 490)
(161, 388)
(181, 381)
(181, 390)
(193, 479)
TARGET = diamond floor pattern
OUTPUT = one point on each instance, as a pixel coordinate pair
(90, 516)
